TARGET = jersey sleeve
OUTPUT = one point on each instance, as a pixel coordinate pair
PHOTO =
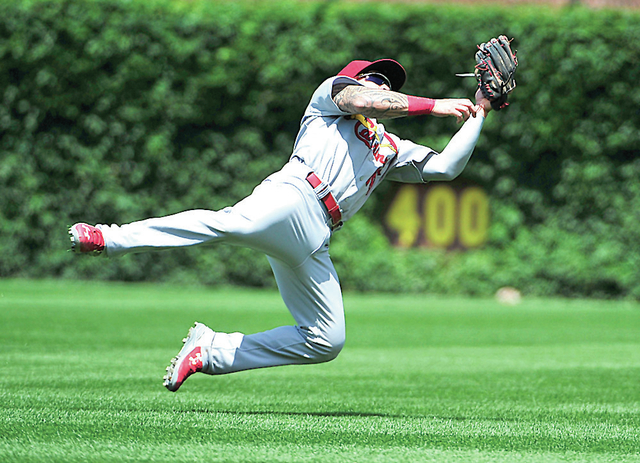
(322, 103)
(407, 166)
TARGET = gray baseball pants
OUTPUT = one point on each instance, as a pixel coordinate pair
(283, 219)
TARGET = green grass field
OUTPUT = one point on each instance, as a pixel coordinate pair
(420, 379)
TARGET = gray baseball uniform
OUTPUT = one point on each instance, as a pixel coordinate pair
(285, 219)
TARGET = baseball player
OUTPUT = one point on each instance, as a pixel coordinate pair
(341, 155)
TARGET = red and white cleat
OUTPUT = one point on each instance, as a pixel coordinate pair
(86, 239)
(190, 358)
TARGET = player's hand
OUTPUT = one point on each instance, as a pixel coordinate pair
(483, 103)
(461, 108)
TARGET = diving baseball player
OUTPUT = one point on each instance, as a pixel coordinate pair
(341, 155)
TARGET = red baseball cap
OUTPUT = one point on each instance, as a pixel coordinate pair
(391, 69)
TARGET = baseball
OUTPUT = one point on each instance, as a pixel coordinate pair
(508, 296)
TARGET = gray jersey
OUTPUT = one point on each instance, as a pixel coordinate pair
(352, 153)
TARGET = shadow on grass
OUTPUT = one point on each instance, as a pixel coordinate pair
(330, 414)
(284, 413)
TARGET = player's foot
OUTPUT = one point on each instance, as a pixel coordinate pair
(86, 239)
(190, 358)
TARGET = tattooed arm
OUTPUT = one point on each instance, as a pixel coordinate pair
(386, 104)
(374, 103)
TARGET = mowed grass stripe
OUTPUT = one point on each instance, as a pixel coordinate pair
(420, 379)
(332, 429)
(241, 452)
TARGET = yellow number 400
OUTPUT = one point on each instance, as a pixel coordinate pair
(447, 216)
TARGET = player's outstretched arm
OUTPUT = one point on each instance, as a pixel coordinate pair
(455, 156)
(386, 104)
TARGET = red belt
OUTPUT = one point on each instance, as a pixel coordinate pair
(324, 195)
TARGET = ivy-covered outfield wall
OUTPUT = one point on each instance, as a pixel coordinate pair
(118, 110)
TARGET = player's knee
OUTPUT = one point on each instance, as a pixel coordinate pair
(325, 353)
(325, 345)
(227, 222)
(336, 348)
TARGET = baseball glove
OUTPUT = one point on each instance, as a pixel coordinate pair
(495, 69)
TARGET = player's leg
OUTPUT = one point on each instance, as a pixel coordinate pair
(279, 219)
(189, 228)
(312, 294)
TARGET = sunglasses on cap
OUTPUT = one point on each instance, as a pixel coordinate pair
(376, 78)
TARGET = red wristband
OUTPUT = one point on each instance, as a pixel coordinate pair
(419, 105)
